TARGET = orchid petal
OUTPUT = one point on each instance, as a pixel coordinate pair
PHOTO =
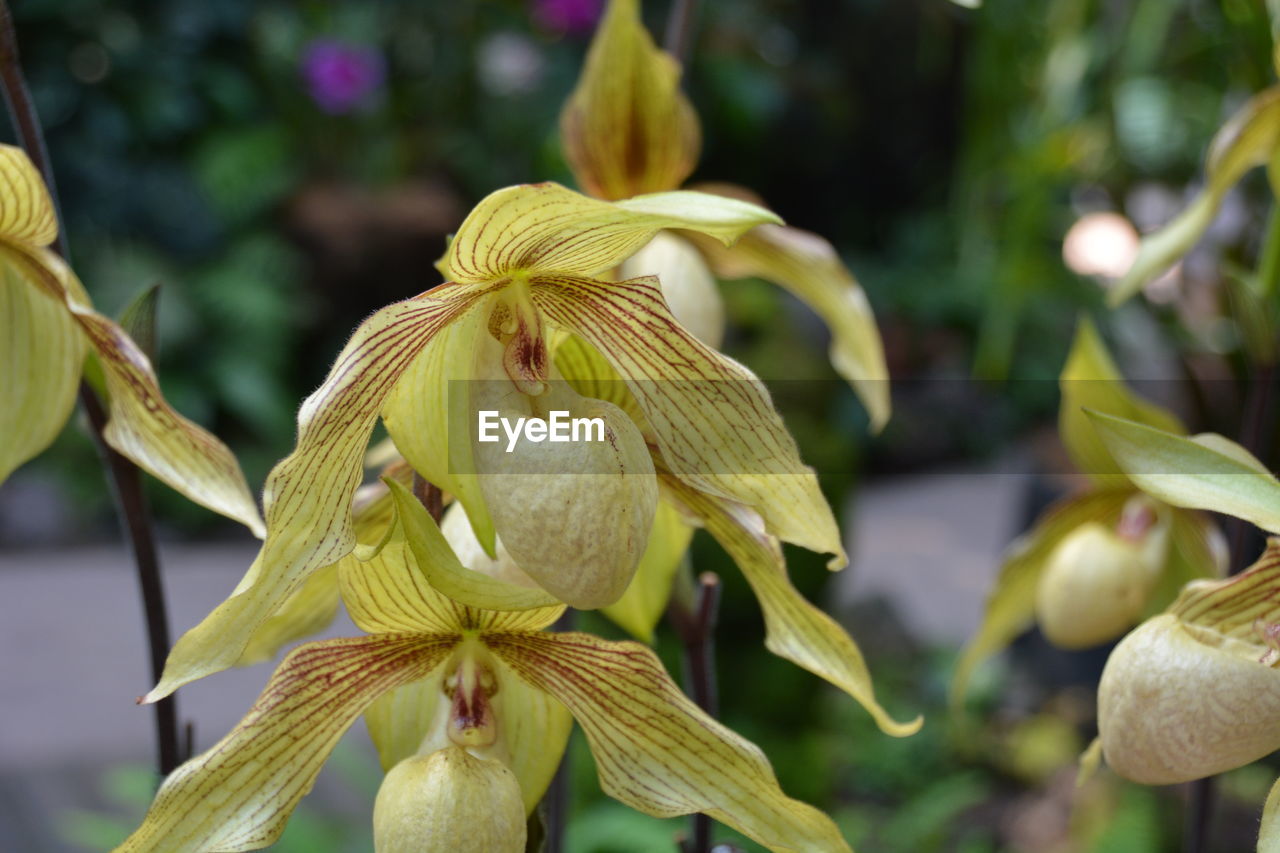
(27, 216)
(654, 749)
(627, 128)
(1249, 139)
(1011, 605)
(309, 494)
(422, 412)
(142, 426)
(795, 629)
(642, 605)
(546, 228)
(1090, 380)
(239, 794)
(42, 351)
(1198, 472)
(574, 515)
(1195, 691)
(714, 422)
(809, 267)
(440, 568)
(1269, 833)
(688, 286)
(308, 610)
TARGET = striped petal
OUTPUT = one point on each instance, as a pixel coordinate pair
(688, 286)
(1091, 380)
(1011, 605)
(546, 228)
(309, 494)
(627, 128)
(654, 749)
(27, 216)
(714, 422)
(308, 610)
(1251, 138)
(142, 426)
(795, 629)
(42, 351)
(239, 794)
(1197, 472)
(809, 267)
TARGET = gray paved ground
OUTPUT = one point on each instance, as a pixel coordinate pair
(72, 657)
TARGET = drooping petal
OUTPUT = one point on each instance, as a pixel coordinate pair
(1011, 603)
(27, 216)
(644, 602)
(714, 422)
(574, 515)
(309, 494)
(425, 412)
(474, 592)
(546, 228)
(687, 284)
(449, 802)
(795, 629)
(142, 426)
(42, 351)
(809, 267)
(1249, 139)
(308, 610)
(1195, 691)
(1090, 380)
(654, 749)
(239, 794)
(1198, 472)
(627, 128)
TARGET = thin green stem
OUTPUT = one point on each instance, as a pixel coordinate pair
(679, 35)
(126, 480)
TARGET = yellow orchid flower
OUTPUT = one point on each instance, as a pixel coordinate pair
(1096, 562)
(48, 327)
(470, 710)
(521, 268)
(628, 129)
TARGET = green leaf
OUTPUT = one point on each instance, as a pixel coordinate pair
(1200, 472)
(1090, 380)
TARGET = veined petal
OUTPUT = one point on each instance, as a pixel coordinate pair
(591, 375)
(1198, 472)
(475, 593)
(1011, 605)
(1195, 691)
(309, 494)
(26, 212)
(239, 794)
(424, 415)
(1090, 380)
(654, 749)
(714, 422)
(627, 128)
(687, 284)
(1249, 139)
(574, 515)
(795, 629)
(546, 228)
(143, 427)
(808, 266)
(42, 351)
(308, 610)
(644, 602)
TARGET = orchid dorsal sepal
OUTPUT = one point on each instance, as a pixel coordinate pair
(1198, 472)
(1195, 691)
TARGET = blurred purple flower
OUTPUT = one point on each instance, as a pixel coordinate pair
(567, 16)
(341, 76)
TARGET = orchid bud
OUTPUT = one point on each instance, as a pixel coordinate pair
(1178, 702)
(449, 802)
(1093, 588)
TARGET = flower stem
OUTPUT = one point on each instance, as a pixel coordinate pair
(130, 500)
(694, 619)
(680, 29)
